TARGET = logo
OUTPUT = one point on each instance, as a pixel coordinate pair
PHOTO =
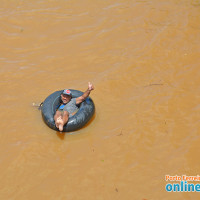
(67, 91)
(184, 183)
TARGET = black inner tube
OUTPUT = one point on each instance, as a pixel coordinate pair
(75, 122)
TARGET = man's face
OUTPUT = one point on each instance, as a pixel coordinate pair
(65, 98)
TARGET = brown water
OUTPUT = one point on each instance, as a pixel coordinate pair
(143, 59)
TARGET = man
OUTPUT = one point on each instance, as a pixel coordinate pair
(69, 106)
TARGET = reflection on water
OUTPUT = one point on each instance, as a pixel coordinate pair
(141, 56)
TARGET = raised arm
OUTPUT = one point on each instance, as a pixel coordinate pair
(85, 94)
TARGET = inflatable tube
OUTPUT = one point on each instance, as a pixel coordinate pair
(75, 122)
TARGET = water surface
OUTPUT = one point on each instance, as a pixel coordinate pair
(143, 59)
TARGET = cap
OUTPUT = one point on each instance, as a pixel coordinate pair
(67, 92)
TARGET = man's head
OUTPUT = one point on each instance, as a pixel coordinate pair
(66, 96)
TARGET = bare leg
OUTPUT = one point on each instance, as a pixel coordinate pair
(63, 120)
(57, 117)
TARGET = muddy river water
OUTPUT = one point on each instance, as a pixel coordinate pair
(143, 59)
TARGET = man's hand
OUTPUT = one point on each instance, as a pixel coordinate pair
(90, 86)
(85, 94)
